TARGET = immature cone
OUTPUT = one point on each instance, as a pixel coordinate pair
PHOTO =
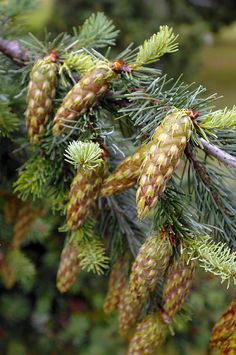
(149, 335)
(126, 174)
(117, 282)
(24, 221)
(8, 275)
(68, 268)
(177, 285)
(85, 189)
(225, 326)
(150, 264)
(41, 92)
(229, 346)
(11, 207)
(166, 148)
(84, 95)
(129, 309)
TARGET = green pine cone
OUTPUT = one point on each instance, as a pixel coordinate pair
(84, 95)
(225, 326)
(129, 310)
(150, 264)
(166, 148)
(149, 335)
(117, 283)
(85, 189)
(178, 283)
(41, 92)
(126, 174)
(68, 268)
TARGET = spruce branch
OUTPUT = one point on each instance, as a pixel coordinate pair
(84, 155)
(201, 170)
(8, 120)
(21, 266)
(221, 119)
(97, 31)
(92, 256)
(34, 177)
(79, 62)
(159, 44)
(218, 153)
(12, 50)
(216, 258)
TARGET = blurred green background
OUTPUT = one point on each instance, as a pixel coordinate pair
(38, 320)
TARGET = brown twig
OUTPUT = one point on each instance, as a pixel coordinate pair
(12, 50)
(218, 153)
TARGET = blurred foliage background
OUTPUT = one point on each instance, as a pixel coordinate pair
(36, 319)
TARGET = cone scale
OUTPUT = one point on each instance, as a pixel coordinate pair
(68, 268)
(166, 148)
(41, 92)
(126, 174)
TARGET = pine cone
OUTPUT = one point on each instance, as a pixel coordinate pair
(129, 310)
(166, 148)
(117, 282)
(225, 326)
(41, 92)
(8, 275)
(11, 207)
(150, 264)
(24, 220)
(84, 95)
(149, 335)
(68, 268)
(177, 285)
(229, 346)
(126, 174)
(85, 189)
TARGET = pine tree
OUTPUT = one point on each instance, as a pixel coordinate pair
(101, 107)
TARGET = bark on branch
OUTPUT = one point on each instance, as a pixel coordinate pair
(12, 50)
(218, 153)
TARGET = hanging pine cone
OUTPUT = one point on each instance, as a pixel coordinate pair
(177, 285)
(84, 95)
(129, 309)
(166, 148)
(24, 221)
(117, 282)
(11, 207)
(85, 189)
(229, 346)
(126, 174)
(41, 92)
(8, 275)
(150, 264)
(68, 268)
(225, 326)
(149, 335)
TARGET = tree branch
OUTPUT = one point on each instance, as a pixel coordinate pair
(219, 154)
(12, 50)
